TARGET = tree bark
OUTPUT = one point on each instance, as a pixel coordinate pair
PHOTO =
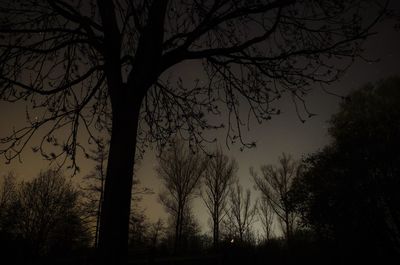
(114, 224)
(126, 101)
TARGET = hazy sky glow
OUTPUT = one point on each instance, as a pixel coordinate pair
(284, 133)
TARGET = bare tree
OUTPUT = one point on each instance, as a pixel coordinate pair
(156, 232)
(138, 228)
(88, 67)
(138, 222)
(180, 171)
(93, 191)
(8, 192)
(218, 177)
(275, 183)
(94, 188)
(241, 214)
(266, 217)
(47, 207)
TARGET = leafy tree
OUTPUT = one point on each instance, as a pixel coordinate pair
(275, 184)
(180, 172)
(349, 192)
(218, 178)
(102, 66)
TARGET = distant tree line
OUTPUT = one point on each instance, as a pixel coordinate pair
(336, 205)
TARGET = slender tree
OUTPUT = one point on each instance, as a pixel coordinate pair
(275, 184)
(266, 217)
(138, 222)
(103, 65)
(94, 188)
(156, 232)
(180, 171)
(218, 178)
(241, 213)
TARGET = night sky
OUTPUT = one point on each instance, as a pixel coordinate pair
(284, 133)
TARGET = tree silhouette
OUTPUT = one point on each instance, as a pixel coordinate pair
(94, 188)
(240, 214)
(46, 215)
(96, 66)
(266, 217)
(138, 228)
(93, 192)
(275, 184)
(180, 171)
(349, 191)
(218, 178)
(138, 222)
(156, 232)
(8, 193)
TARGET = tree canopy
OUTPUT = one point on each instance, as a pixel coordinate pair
(57, 56)
(349, 191)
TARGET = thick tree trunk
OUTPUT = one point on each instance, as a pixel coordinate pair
(114, 224)
(126, 101)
